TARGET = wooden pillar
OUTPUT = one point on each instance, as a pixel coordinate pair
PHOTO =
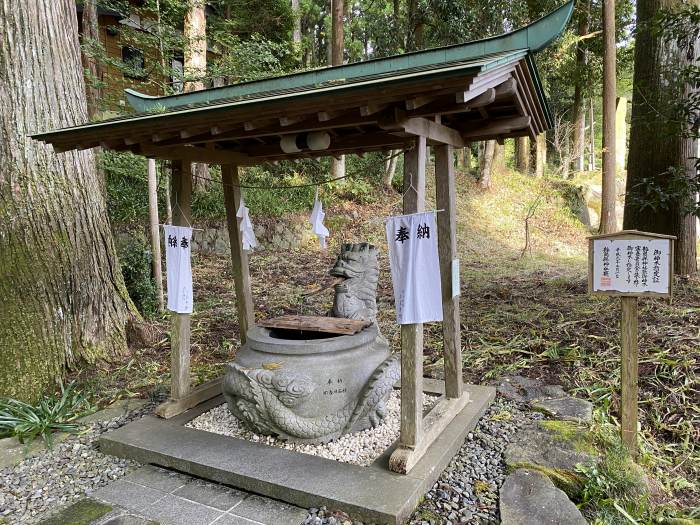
(412, 334)
(447, 249)
(630, 373)
(181, 196)
(239, 258)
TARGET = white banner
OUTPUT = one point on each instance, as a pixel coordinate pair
(177, 261)
(415, 267)
(637, 265)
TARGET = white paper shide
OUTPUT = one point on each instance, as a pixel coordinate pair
(631, 265)
(248, 239)
(178, 240)
(316, 220)
(415, 267)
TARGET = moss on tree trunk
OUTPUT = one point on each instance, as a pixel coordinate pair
(62, 296)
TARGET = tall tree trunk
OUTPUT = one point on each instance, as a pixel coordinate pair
(522, 154)
(390, 168)
(63, 295)
(578, 113)
(337, 52)
(608, 219)
(540, 154)
(486, 164)
(91, 39)
(499, 158)
(195, 67)
(296, 34)
(620, 133)
(591, 135)
(656, 145)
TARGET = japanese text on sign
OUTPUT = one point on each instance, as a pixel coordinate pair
(631, 265)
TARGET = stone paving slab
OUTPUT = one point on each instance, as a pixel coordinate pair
(155, 495)
(373, 494)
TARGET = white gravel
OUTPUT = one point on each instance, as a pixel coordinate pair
(359, 448)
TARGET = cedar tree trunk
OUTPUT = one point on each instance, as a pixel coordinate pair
(63, 296)
(657, 146)
(608, 219)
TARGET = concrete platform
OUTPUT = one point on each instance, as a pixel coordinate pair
(372, 494)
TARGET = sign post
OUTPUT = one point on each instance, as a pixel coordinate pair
(630, 264)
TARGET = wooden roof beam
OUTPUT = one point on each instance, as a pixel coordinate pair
(417, 102)
(192, 154)
(398, 122)
(497, 127)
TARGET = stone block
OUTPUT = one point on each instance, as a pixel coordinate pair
(530, 498)
(178, 511)
(83, 512)
(211, 494)
(129, 495)
(565, 408)
(269, 511)
(157, 478)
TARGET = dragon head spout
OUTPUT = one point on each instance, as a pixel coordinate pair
(355, 297)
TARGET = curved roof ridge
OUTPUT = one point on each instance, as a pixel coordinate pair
(532, 38)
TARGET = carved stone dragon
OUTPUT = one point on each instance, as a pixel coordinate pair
(284, 401)
(355, 297)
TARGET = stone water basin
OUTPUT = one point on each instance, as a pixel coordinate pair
(310, 387)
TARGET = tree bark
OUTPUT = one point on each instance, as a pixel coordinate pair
(63, 295)
(578, 113)
(390, 168)
(591, 136)
(620, 133)
(656, 145)
(91, 38)
(195, 67)
(296, 34)
(540, 154)
(337, 52)
(522, 154)
(486, 164)
(608, 219)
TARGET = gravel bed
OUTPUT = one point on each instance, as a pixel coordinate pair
(467, 490)
(359, 448)
(55, 478)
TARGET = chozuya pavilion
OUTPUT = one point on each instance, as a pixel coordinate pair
(446, 98)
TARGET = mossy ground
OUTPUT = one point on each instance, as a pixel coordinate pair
(83, 512)
(524, 310)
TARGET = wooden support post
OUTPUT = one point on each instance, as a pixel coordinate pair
(630, 373)
(447, 249)
(411, 334)
(180, 337)
(239, 258)
(155, 232)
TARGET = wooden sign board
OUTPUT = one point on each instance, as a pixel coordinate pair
(631, 263)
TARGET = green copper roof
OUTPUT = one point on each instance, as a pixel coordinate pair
(531, 38)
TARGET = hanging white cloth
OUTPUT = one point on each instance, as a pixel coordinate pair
(415, 267)
(248, 239)
(178, 240)
(316, 220)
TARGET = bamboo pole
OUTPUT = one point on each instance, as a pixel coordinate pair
(155, 232)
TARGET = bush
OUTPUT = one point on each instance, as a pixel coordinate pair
(54, 413)
(136, 259)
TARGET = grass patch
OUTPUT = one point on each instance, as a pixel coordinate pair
(53, 413)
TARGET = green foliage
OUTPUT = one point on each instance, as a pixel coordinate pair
(53, 413)
(136, 258)
(127, 186)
